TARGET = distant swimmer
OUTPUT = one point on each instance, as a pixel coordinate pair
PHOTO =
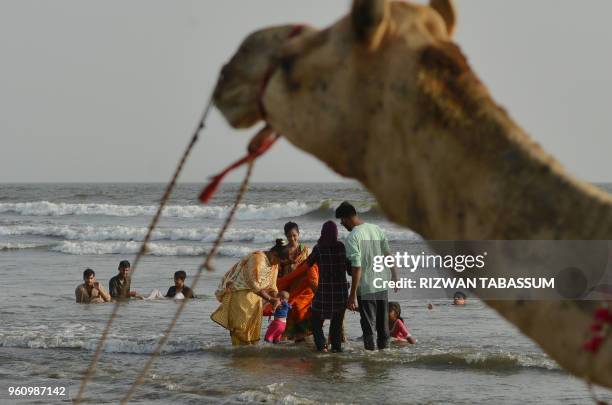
(459, 298)
(119, 285)
(179, 290)
(91, 292)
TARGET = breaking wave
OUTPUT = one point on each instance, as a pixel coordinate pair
(245, 211)
(271, 394)
(155, 249)
(76, 336)
(18, 246)
(135, 233)
(132, 233)
(482, 360)
(290, 209)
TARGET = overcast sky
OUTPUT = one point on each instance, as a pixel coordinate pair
(111, 90)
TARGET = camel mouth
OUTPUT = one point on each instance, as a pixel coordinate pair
(242, 80)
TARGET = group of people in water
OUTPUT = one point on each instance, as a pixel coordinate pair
(299, 287)
(119, 287)
(302, 287)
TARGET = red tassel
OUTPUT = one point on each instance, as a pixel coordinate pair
(593, 344)
(603, 315)
(210, 189)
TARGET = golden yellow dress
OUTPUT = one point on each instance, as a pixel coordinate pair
(241, 308)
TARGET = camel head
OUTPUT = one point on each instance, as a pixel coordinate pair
(387, 74)
(317, 87)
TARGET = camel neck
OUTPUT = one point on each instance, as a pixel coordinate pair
(507, 187)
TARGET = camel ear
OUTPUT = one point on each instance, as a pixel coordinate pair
(446, 8)
(369, 19)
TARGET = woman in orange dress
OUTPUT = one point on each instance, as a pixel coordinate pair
(297, 278)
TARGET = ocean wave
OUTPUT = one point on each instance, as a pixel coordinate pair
(482, 360)
(412, 356)
(327, 209)
(154, 249)
(271, 394)
(78, 336)
(136, 233)
(18, 246)
(245, 211)
(67, 339)
(290, 209)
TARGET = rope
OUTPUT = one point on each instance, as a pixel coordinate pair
(89, 373)
(205, 265)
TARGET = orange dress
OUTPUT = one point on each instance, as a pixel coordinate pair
(299, 285)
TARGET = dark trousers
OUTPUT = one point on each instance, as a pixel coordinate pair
(335, 330)
(374, 317)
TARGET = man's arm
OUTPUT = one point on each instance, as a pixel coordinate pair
(387, 251)
(105, 296)
(393, 275)
(113, 288)
(353, 254)
(356, 278)
(80, 296)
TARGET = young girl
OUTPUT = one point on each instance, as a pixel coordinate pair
(278, 325)
(398, 329)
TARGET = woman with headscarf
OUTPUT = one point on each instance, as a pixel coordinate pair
(330, 285)
(295, 279)
(241, 292)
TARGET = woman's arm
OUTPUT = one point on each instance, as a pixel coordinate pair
(267, 296)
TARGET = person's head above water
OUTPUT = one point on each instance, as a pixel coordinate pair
(124, 268)
(279, 253)
(395, 311)
(89, 276)
(292, 232)
(347, 214)
(329, 234)
(179, 278)
(459, 298)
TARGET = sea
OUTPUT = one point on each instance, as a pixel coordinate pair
(49, 233)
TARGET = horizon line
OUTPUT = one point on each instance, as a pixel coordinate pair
(178, 182)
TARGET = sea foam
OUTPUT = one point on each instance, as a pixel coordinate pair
(245, 211)
(155, 249)
(204, 234)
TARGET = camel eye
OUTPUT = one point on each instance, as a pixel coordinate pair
(287, 62)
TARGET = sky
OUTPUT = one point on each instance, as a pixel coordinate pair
(110, 91)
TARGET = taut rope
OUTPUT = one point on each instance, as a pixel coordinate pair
(205, 265)
(89, 373)
(260, 144)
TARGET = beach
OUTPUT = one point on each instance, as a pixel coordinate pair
(49, 233)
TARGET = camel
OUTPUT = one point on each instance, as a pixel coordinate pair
(386, 97)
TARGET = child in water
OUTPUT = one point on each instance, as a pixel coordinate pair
(399, 331)
(278, 325)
